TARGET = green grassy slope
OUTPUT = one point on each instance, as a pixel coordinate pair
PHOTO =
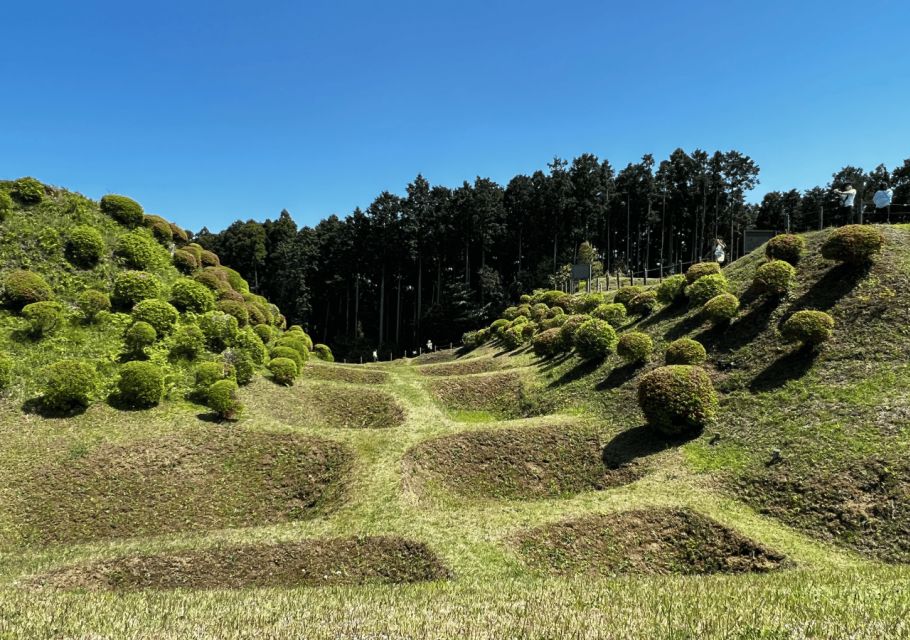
(528, 518)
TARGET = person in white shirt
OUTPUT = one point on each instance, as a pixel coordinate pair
(847, 196)
(882, 199)
(719, 251)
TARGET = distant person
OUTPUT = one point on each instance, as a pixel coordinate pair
(719, 251)
(375, 356)
(847, 196)
(429, 345)
(882, 199)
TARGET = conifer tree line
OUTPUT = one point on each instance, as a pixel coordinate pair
(437, 261)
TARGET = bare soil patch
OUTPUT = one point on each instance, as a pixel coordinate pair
(652, 541)
(354, 374)
(462, 367)
(340, 561)
(200, 479)
(335, 406)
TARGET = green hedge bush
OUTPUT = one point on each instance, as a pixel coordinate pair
(6, 205)
(141, 384)
(774, 278)
(208, 373)
(700, 270)
(43, 317)
(244, 367)
(221, 398)
(131, 287)
(68, 384)
(158, 313)
(705, 288)
(162, 232)
(138, 337)
(613, 312)
(220, 329)
(721, 309)
(677, 399)
(185, 261)
(635, 347)
(594, 339)
(549, 343)
(808, 327)
(209, 259)
(187, 342)
(212, 281)
(644, 303)
(787, 247)
(587, 302)
(323, 352)
(672, 290)
(25, 287)
(84, 246)
(137, 251)
(265, 332)
(854, 244)
(190, 295)
(91, 303)
(283, 370)
(286, 352)
(625, 294)
(28, 190)
(498, 326)
(685, 351)
(571, 325)
(124, 210)
(236, 309)
(512, 338)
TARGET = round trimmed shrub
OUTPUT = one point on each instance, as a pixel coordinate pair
(141, 384)
(68, 384)
(84, 246)
(323, 352)
(551, 298)
(6, 205)
(787, 246)
(231, 295)
(28, 190)
(185, 261)
(613, 312)
(188, 342)
(283, 371)
(635, 347)
(721, 309)
(221, 398)
(470, 340)
(774, 278)
(513, 337)
(162, 232)
(211, 280)
(208, 373)
(498, 326)
(265, 332)
(249, 343)
(854, 244)
(180, 236)
(236, 309)
(92, 302)
(555, 311)
(808, 327)
(296, 342)
(137, 250)
(131, 287)
(244, 368)
(555, 322)
(257, 314)
(158, 313)
(287, 352)
(196, 250)
(189, 295)
(510, 313)
(139, 336)
(549, 343)
(124, 210)
(6, 371)
(672, 290)
(625, 294)
(25, 287)
(594, 339)
(524, 298)
(587, 302)
(700, 270)
(220, 329)
(43, 317)
(705, 288)
(235, 279)
(677, 398)
(685, 351)
(644, 303)
(539, 311)
(528, 329)
(571, 325)
(208, 259)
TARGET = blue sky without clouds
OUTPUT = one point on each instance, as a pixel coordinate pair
(209, 112)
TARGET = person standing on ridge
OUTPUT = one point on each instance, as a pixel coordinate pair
(882, 200)
(719, 251)
(847, 196)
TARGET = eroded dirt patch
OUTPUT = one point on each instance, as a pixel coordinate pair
(506, 394)
(344, 373)
(865, 506)
(462, 367)
(200, 479)
(340, 561)
(523, 462)
(335, 406)
(653, 541)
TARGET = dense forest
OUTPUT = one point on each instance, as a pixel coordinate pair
(437, 261)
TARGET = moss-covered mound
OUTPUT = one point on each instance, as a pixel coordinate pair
(522, 463)
(507, 394)
(204, 478)
(322, 404)
(354, 374)
(653, 541)
(310, 563)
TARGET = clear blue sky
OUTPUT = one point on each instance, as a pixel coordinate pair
(208, 112)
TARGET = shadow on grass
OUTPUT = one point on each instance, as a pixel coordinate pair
(580, 370)
(214, 418)
(36, 406)
(741, 331)
(665, 314)
(548, 364)
(619, 376)
(830, 288)
(684, 327)
(117, 401)
(791, 366)
(640, 442)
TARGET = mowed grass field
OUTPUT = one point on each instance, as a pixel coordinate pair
(492, 590)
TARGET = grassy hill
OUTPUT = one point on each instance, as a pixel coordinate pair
(486, 493)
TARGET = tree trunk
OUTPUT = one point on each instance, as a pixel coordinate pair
(382, 307)
(398, 312)
(419, 293)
